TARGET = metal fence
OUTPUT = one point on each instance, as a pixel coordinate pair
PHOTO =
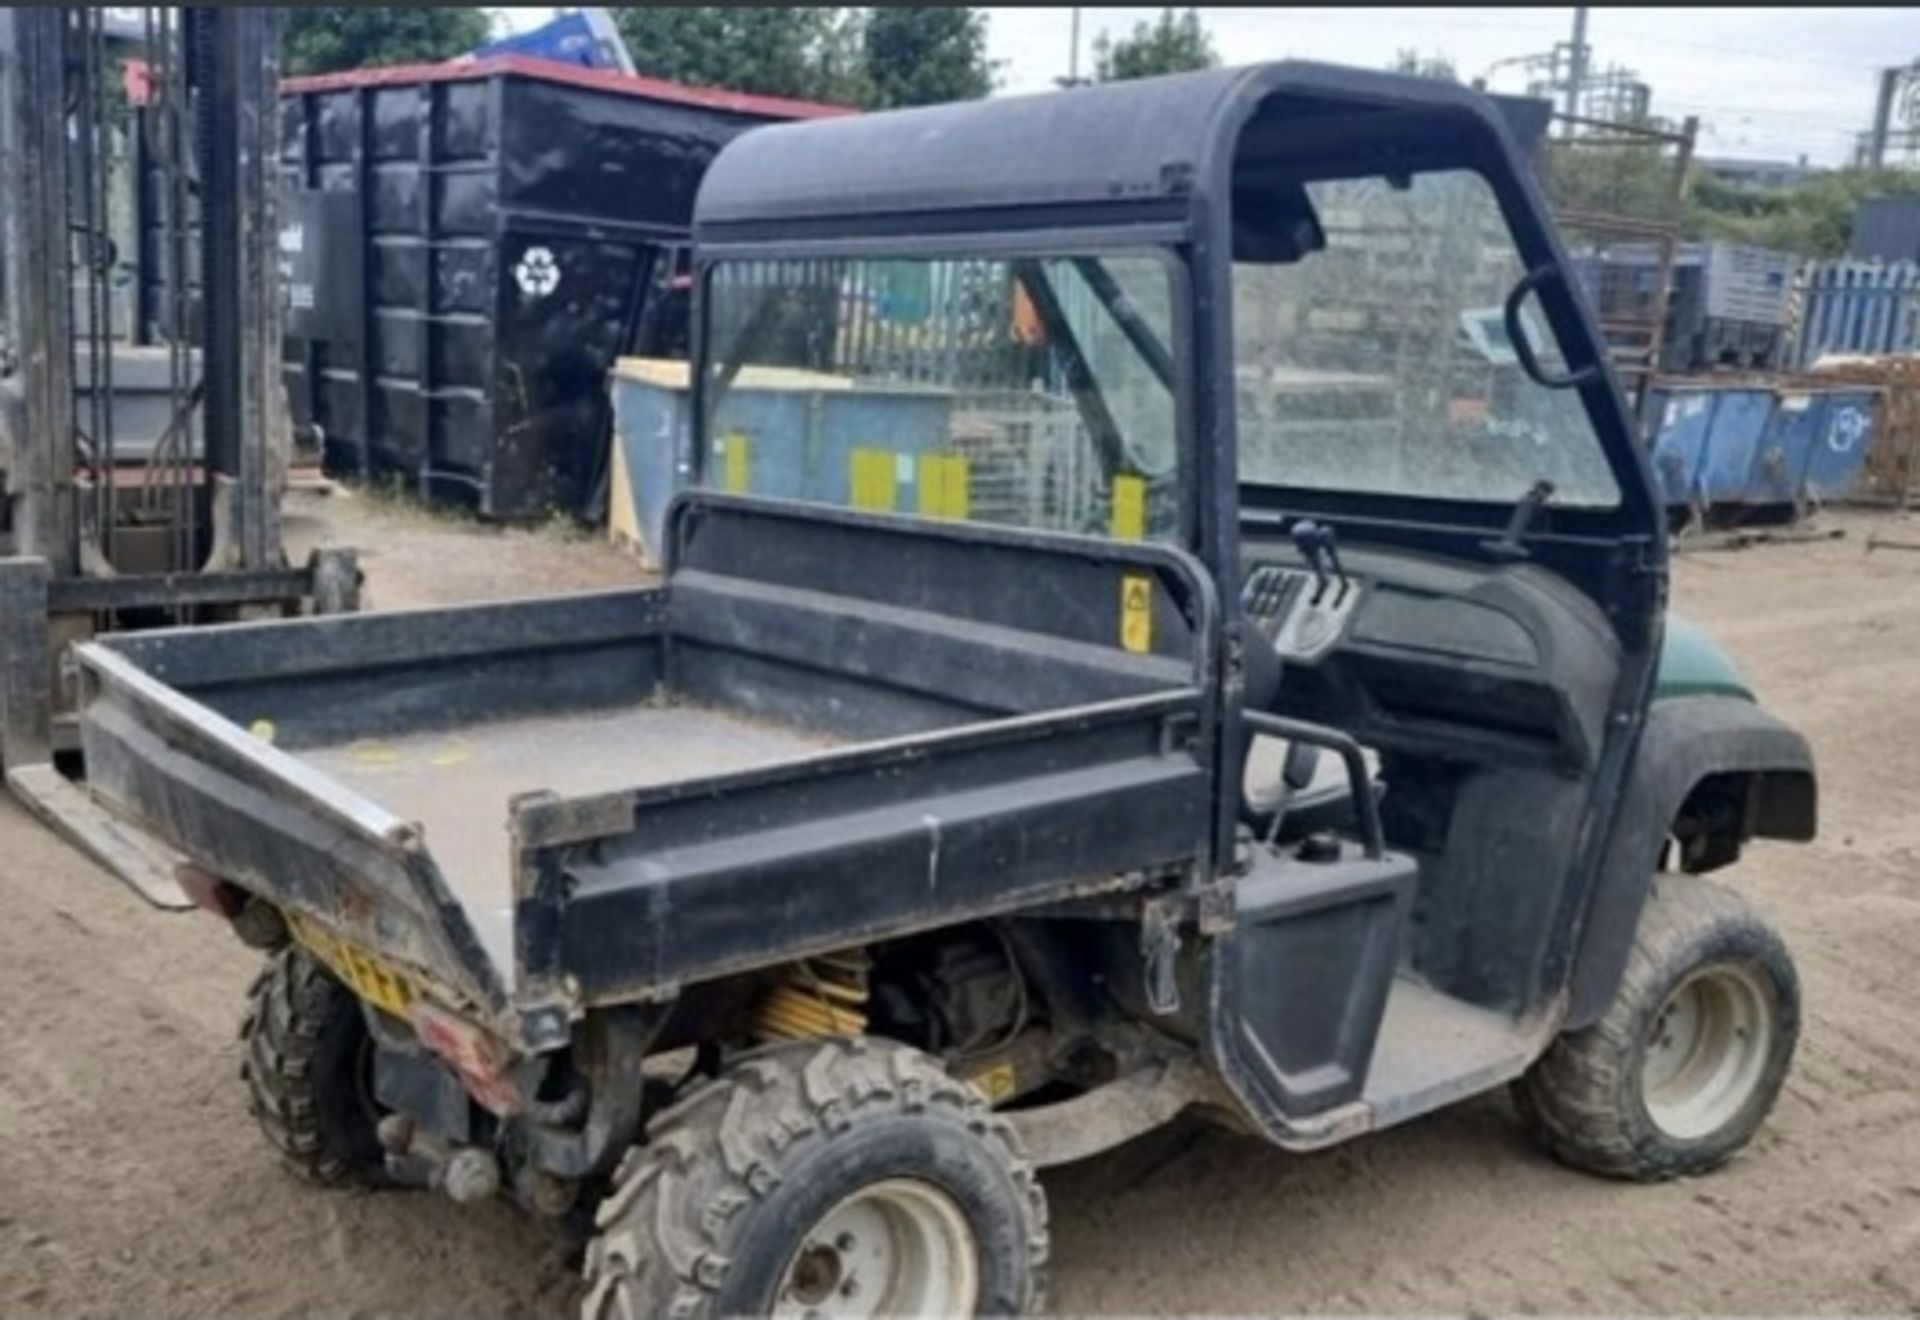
(942, 323)
(1858, 308)
(1615, 200)
(1029, 459)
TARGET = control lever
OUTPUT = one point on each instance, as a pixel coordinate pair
(1358, 783)
(1315, 542)
(1333, 558)
(1528, 508)
(1296, 773)
(1306, 539)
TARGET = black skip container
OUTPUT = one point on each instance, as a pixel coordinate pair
(467, 247)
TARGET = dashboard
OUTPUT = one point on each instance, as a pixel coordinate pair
(1506, 663)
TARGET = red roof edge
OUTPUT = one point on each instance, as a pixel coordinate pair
(601, 80)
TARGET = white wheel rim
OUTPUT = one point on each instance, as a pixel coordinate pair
(899, 1248)
(1707, 1052)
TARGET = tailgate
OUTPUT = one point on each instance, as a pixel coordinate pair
(249, 813)
(650, 889)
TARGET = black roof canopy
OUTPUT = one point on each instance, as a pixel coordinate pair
(1153, 145)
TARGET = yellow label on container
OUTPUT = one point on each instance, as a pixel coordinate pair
(735, 461)
(1130, 508)
(1136, 612)
(959, 488)
(872, 480)
(945, 486)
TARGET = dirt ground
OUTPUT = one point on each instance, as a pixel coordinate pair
(133, 1182)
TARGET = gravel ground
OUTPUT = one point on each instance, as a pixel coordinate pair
(133, 1182)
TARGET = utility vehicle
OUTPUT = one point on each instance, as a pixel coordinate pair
(1170, 615)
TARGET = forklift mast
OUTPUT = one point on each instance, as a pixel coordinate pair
(143, 441)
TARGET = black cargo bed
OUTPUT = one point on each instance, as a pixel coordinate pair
(827, 728)
(457, 783)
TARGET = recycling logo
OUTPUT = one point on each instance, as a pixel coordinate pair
(537, 273)
(1848, 429)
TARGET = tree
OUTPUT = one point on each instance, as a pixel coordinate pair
(1173, 43)
(1814, 219)
(925, 56)
(325, 40)
(1631, 179)
(808, 51)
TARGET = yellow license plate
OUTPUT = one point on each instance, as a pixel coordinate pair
(373, 979)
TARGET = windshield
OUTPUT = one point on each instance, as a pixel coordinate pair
(1036, 392)
(1382, 363)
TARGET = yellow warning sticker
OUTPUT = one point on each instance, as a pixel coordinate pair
(735, 458)
(1136, 612)
(997, 1083)
(374, 979)
(1129, 508)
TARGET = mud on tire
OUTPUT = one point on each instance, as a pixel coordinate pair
(305, 1056)
(1597, 1101)
(705, 1219)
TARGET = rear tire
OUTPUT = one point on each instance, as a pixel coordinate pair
(1688, 1059)
(824, 1178)
(307, 1060)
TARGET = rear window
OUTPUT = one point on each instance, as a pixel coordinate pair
(1032, 392)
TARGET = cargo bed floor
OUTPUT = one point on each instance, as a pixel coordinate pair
(456, 783)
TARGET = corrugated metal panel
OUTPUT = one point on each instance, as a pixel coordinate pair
(469, 249)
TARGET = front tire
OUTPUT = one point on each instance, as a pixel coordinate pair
(1686, 1063)
(823, 1179)
(307, 1060)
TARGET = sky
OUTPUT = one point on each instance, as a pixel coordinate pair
(1766, 83)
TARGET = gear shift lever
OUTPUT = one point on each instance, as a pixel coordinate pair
(1307, 540)
(1315, 542)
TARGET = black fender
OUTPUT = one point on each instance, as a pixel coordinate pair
(1688, 743)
